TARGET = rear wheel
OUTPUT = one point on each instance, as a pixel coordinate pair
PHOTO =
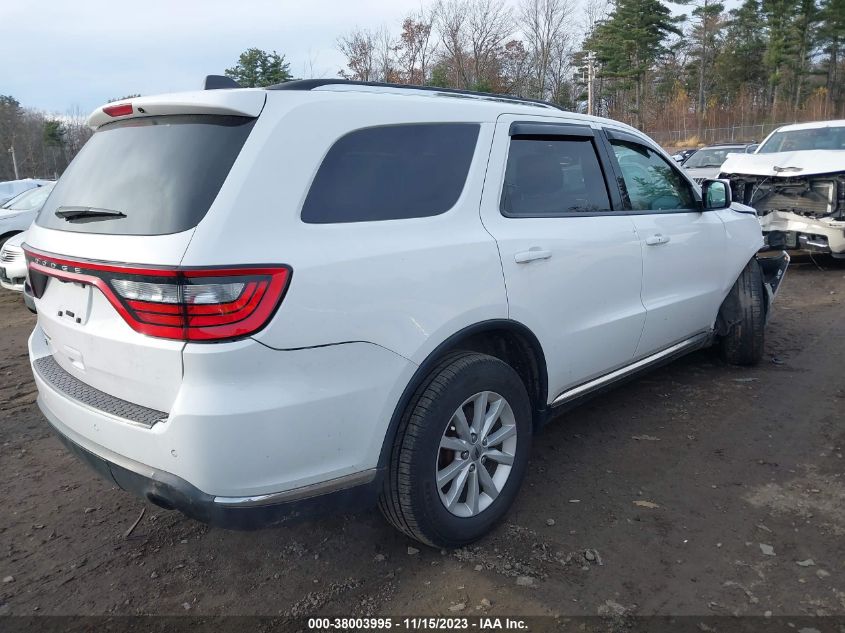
(460, 453)
(743, 316)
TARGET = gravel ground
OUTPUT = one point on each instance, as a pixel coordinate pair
(698, 489)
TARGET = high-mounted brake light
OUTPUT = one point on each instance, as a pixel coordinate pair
(199, 304)
(118, 109)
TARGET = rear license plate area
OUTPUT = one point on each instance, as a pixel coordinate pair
(69, 301)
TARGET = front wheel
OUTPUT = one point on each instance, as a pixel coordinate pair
(743, 315)
(460, 453)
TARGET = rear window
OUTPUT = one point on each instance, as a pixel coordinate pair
(150, 176)
(392, 172)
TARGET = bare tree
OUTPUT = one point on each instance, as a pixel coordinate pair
(544, 24)
(359, 46)
(386, 67)
(515, 69)
(416, 46)
(489, 24)
(593, 11)
(450, 20)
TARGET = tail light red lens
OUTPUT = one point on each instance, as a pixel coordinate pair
(203, 304)
(118, 109)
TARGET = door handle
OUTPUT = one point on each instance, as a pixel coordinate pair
(532, 254)
(657, 239)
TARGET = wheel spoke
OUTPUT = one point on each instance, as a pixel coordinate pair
(457, 488)
(459, 419)
(448, 473)
(499, 456)
(487, 483)
(491, 417)
(472, 491)
(450, 443)
(506, 431)
(479, 409)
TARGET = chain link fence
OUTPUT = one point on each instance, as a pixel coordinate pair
(747, 133)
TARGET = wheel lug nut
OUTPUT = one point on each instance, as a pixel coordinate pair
(484, 442)
(483, 459)
(473, 437)
(471, 467)
(464, 454)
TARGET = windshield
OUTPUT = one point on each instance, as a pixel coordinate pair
(710, 157)
(30, 200)
(800, 140)
(150, 176)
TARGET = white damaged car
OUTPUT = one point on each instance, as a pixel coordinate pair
(796, 183)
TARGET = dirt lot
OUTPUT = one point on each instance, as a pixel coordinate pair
(741, 469)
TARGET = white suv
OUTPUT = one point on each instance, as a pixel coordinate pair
(253, 304)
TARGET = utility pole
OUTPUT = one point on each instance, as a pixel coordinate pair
(14, 161)
(591, 71)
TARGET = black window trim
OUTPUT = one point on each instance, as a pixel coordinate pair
(540, 130)
(611, 134)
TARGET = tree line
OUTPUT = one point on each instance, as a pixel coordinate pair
(671, 69)
(43, 144)
(686, 65)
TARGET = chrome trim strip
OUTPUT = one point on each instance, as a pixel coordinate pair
(694, 341)
(297, 494)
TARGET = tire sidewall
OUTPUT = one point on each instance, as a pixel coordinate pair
(484, 375)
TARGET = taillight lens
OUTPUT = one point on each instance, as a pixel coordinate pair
(208, 304)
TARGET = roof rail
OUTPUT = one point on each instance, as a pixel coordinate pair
(311, 84)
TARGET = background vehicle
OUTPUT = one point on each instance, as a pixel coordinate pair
(681, 155)
(439, 272)
(13, 263)
(11, 188)
(18, 213)
(707, 161)
(796, 182)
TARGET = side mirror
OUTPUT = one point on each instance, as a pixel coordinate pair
(715, 194)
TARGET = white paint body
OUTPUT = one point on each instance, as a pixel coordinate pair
(13, 263)
(309, 397)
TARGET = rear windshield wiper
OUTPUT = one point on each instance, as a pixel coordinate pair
(87, 214)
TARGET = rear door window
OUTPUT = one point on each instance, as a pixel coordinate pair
(146, 176)
(553, 176)
(392, 172)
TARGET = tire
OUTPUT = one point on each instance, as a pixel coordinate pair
(744, 313)
(411, 499)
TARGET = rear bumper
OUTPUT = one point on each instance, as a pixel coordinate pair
(174, 493)
(252, 430)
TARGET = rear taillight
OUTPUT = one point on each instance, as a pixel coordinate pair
(202, 304)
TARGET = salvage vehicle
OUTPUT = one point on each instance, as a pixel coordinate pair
(255, 304)
(18, 213)
(11, 188)
(682, 154)
(796, 183)
(13, 263)
(707, 162)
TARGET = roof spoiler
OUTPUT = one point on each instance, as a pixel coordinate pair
(219, 82)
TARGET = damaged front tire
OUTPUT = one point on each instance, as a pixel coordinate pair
(742, 318)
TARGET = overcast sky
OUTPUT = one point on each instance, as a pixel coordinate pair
(56, 54)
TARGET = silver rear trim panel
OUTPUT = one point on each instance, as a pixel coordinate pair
(297, 494)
